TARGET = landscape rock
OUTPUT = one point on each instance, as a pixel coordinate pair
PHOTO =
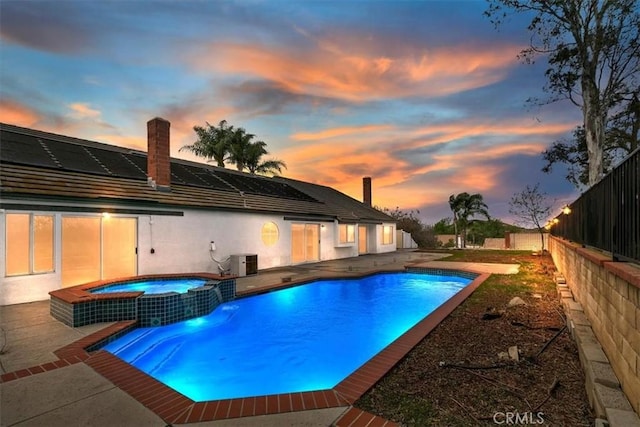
(515, 301)
(513, 353)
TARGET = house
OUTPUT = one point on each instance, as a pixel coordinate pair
(75, 211)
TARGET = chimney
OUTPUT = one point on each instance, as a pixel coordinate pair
(366, 190)
(158, 166)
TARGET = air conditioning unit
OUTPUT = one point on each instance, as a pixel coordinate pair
(244, 264)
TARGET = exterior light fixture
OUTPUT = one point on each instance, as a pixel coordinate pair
(556, 220)
(566, 210)
(106, 215)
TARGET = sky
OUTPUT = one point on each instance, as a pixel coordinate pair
(426, 97)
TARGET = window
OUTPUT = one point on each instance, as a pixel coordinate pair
(269, 233)
(29, 244)
(347, 233)
(387, 234)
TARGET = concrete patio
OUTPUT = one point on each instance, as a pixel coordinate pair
(74, 394)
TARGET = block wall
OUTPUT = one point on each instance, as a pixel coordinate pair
(610, 296)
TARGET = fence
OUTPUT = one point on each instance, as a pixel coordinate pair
(518, 241)
(607, 216)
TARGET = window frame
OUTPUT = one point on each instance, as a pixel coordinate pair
(273, 235)
(31, 243)
(347, 240)
(391, 235)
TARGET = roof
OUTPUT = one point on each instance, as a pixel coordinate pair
(46, 166)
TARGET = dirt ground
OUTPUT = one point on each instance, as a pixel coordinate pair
(457, 377)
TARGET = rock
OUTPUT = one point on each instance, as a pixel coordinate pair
(503, 355)
(513, 353)
(537, 296)
(516, 301)
(491, 316)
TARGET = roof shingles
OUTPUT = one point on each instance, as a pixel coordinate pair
(72, 179)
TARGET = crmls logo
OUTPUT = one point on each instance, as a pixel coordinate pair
(515, 418)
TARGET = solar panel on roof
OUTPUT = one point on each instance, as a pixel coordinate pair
(74, 157)
(117, 163)
(198, 176)
(263, 186)
(138, 160)
(25, 150)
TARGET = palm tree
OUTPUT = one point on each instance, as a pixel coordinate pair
(239, 143)
(255, 164)
(213, 142)
(465, 206)
(247, 154)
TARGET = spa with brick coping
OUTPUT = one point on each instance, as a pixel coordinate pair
(175, 408)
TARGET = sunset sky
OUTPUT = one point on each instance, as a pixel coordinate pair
(426, 97)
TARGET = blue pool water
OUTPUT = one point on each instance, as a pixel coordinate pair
(153, 286)
(303, 338)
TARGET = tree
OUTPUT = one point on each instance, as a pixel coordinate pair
(621, 139)
(255, 164)
(532, 207)
(423, 235)
(465, 206)
(479, 230)
(213, 142)
(444, 226)
(248, 154)
(593, 52)
(224, 143)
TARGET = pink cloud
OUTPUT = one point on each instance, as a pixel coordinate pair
(341, 156)
(360, 75)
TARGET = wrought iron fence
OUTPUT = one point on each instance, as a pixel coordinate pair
(607, 216)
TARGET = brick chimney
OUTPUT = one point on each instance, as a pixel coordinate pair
(366, 190)
(158, 166)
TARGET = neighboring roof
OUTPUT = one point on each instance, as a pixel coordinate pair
(38, 164)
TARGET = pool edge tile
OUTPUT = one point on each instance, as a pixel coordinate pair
(174, 407)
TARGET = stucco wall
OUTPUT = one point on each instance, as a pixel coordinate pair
(181, 245)
(609, 293)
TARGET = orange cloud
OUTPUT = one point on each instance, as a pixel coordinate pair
(339, 131)
(80, 110)
(360, 75)
(15, 113)
(341, 156)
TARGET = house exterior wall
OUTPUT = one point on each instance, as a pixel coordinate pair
(20, 289)
(181, 245)
(380, 247)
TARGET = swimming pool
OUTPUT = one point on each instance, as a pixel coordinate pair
(156, 286)
(303, 338)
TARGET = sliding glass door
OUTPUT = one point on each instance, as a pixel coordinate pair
(97, 248)
(305, 243)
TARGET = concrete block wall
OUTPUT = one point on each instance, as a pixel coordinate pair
(609, 293)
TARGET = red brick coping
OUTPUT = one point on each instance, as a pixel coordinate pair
(81, 293)
(355, 417)
(175, 408)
